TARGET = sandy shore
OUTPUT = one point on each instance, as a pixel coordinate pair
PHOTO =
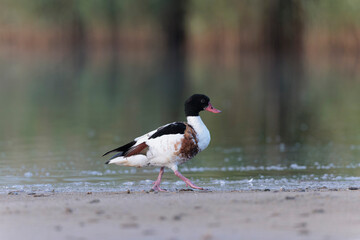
(182, 215)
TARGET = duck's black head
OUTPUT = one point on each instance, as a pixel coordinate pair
(198, 102)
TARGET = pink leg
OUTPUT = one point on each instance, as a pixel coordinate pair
(156, 186)
(187, 181)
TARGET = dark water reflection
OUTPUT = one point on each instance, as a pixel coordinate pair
(280, 127)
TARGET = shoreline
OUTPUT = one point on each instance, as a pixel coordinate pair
(313, 214)
(204, 215)
(179, 190)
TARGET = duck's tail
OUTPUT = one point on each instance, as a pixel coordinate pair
(132, 161)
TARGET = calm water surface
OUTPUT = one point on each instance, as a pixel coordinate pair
(61, 112)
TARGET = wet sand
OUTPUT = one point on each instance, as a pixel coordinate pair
(322, 214)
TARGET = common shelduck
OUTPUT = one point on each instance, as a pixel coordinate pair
(170, 145)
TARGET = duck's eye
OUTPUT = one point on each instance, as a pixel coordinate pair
(202, 100)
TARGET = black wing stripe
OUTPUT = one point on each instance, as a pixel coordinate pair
(173, 128)
(122, 149)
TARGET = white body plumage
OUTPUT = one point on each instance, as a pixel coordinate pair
(163, 151)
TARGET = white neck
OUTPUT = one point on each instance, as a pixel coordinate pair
(202, 132)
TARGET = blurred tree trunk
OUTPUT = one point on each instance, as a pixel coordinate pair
(77, 38)
(77, 31)
(113, 71)
(283, 28)
(113, 23)
(283, 74)
(173, 21)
